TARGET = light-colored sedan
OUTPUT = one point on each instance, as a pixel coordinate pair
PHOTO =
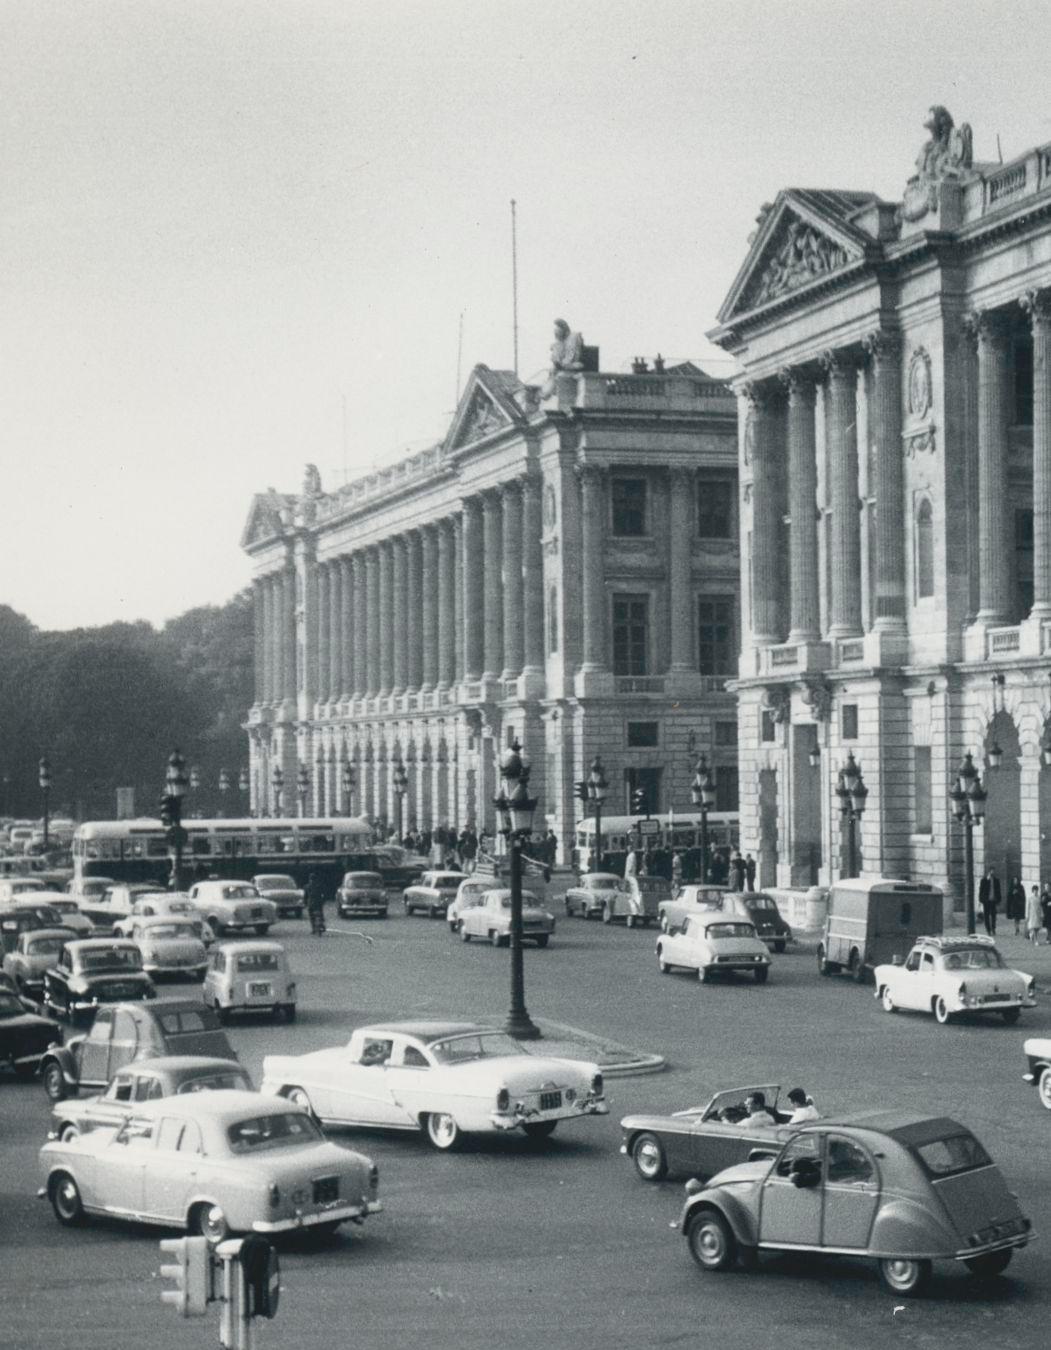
(36, 951)
(445, 1078)
(170, 904)
(215, 1163)
(594, 895)
(492, 920)
(951, 975)
(233, 906)
(471, 891)
(434, 892)
(688, 898)
(283, 891)
(711, 943)
(169, 946)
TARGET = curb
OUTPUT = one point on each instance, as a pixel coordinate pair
(639, 1062)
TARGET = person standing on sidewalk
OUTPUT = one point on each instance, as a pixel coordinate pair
(989, 899)
(1045, 908)
(1034, 918)
(1015, 903)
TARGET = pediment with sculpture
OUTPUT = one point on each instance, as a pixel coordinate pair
(266, 517)
(486, 406)
(795, 256)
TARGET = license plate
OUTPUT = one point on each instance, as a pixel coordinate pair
(326, 1189)
(260, 989)
(550, 1101)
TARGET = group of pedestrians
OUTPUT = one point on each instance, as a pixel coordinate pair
(1030, 909)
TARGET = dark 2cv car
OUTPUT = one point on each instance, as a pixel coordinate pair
(24, 1037)
(127, 1032)
(902, 1189)
(93, 971)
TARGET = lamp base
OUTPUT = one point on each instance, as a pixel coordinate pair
(520, 1026)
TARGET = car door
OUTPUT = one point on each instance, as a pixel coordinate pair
(677, 944)
(408, 1081)
(124, 1043)
(363, 1091)
(790, 1212)
(94, 1051)
(171, 1180)
(56, 982)
(851, 1194)
(121, 1165)
(918, 984)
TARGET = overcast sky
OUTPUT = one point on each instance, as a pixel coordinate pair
(225, 223)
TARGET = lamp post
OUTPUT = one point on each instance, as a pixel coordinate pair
(515, 810)
(349, 782)
(244, 785)
(852, 794)
(302, 788)
(322, 785)
(44, 779)
(224, 788)
(968, 806)
(400, 784)
(598, 790)
(702, 790)
(277, 781)
(175, 784)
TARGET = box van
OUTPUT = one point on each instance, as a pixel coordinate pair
(872, 920)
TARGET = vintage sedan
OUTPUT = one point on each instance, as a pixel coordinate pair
(250, 977)
(166, 904)
(169, 946)
(93, 971)
(688, 898)
(491, 919)
(1037, 1051)
(216, 1163)
(233, 906)
(128, 1032)
(444, 1078)
(26, 917)
(594, 894)
(947, 976)
(702, 1140)
(25, 1038)
(146, 1080)
(471, 891)
(69, 912)
(713, 944)
(761, 909)
(283, 891)
(36, 952)
(362, 893)
(434, 893)
(903, 1189)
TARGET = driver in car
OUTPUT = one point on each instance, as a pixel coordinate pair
(759, 1114)
(376, 1052)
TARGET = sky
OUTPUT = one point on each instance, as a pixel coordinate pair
(239, 235)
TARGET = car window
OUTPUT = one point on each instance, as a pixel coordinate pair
(847, 1163)
(125, 1032)
(218, 960)
(483, 1045)
(276, 1131)
(169, 1133)
(178, 1023)
(913, 963)
(135, 1133)
(43, 946)
(956, 1153)
(730, 930)
(414, 1058)
(926, 963)
(190, 1141)
(120, 1089)
(101, 1028)
(148, 1088)
(802, 1150)
(258, 961)
(212, 1082)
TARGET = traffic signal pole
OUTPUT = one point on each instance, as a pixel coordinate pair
(249, 1283)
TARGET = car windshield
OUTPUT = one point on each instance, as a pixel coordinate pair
(45, 946)
(258, 961)
(114, 958)
(760, 902)
(167, 930)
(9, 1005)
(215, 1082)
(269, 1132)
(64, 906)
(363, 881)
(956, 1153)
(605, 883)
(448, 881)
(973, 958)
(185, 1021)
(730, 930)
(240, 892)
(275, 883)
(484, 1045)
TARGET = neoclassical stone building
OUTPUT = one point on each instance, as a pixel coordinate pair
(895, 468)
(563, 566)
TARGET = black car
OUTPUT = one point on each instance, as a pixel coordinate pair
(26, 919)
(24, 1037)
(763, 911)
(94, 971)
(124, 1032)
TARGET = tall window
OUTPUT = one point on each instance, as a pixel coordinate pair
(1022, 365)
(921, 769)
(631, 622)
(924, 550)
(629, 505)
(716, 507)
(716, 643)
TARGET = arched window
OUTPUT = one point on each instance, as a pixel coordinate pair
(924, 550)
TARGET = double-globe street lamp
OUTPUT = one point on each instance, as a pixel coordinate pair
(598, 791)
(176, 784)
(702, 790)
(400, 784)
(302, 788)
(349, 783)
(515, 810)
(277, 782)
(44, 779)
(852, 794)
(968, 806)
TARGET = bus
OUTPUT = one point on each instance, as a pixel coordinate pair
(138, 850)
(663, 835)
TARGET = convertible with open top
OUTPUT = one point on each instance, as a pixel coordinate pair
(701, 1140)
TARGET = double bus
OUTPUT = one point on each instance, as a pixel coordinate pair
(663, 835)
(138, 850)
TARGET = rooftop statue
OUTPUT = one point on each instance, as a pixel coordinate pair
(948, 154)
(311, 481)
(567, 354)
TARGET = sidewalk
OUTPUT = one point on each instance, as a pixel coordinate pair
(615, 1060)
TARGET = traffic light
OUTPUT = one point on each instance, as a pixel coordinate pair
(262, 1277)
(580, 790)
(167, 811)
(638, 801)
(192, 1273)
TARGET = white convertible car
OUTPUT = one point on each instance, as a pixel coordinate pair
(446, 1078)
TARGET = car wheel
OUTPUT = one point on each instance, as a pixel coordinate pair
(408, 907)
(286, 1011)
(662, 965)
(541, 940)
(856, 967)
(824, 965)
(464, 934)
(262, 929)
(904, 1276)
(991, 1264)
(67, 1131)
(1011, 1015)
(664, 923)
(941, 1012)
(629, 921)
(442, 1131)
(64, 1195)
(712, 1243)
(1043, 1088)
(779, 947)
(651, 1162)
(55, 1082)
(761, 974)
(326, 1230)
(607, 914)
(886, 999)
(217, 928)
(433, 911)
(704, 974)
(209, 1221)
(200, 973)
(540, 1129)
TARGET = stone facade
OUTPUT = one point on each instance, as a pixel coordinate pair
(554, 569)
(895, 468)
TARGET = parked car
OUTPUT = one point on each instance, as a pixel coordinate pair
(871, 920)
(592, 893)
(397, 866)
(145, 1080)
(214, 1163)
(116, 902)
(713, 943)
(471, 891)
(947, 976)
(233, 906)
(69, 912)
(167, 904)
(36, 951)
(761, 909)
(88, 888)
(640, 901)
(688, 898)
(25, 1037)
(91, 971)
(283, 891)
(250, 977)
(492, 919)
(901, 1188)
(362, 893)
(12, 887)
(434, 892)
(126, 1032)
(1037, 1050)
(444, 1078)
(169, 946)
(702, 1140)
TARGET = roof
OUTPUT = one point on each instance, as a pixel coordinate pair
(907, 1127)
(178, 1064)
(101, 944)
(424, 1031)
(231, 1105)
(33, 933)
(251, 946)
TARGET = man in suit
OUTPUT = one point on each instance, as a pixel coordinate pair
(989, 899)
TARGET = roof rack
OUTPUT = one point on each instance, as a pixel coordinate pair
(962, 940)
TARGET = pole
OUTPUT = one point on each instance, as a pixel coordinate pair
(177, 837)
(514, 280)
(704, 843)
(598, 834)
(852, 847)
(398, 803)
(47, 799)
(968, 862)
(519, 1024)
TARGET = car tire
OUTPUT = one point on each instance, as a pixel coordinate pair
(941, 1012)
(55, 1082)
(904, 1276)
(541, 939)
(651, 1162)
(824, 965)
(761, 974)
(704, 974)
(64, 1195)
(208, 1221)
(67, 1131)
(856, 967)
(711, 1241)
(887, 1000)
(629, 921)
(607, 914)
(285, 1012)
(432, 913)
(539, 1129)
(990, 1264)
(464, 934)
(663, 966)
(495, 938)
(442, 1131)
(1043, 1088)
(1011, 1015)
(408, 908)
(779, 947)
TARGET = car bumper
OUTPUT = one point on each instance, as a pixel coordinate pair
(992, 1005)
(585, 1106)
(31, 1057)
(155, 968)
(338, 1214)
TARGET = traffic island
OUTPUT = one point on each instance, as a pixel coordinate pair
(615, 1060)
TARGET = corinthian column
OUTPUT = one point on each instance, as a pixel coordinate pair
(346, 628)
(399, 604)
(884, 350)
(266, 589)
(448, 621)
(433, 611)
(492, 529)
(361, 623)
(414, 603)
(994, 546)
(512, 558)
(473, 590)
(258, 645)
(766, 438)
(593, 564)
(323, 643)
(372, 557)
(287, 631)
(680, 581)
(1038, 306)
(802, 508)
(841, 422)
(532, 575)
(335, 630)
(459, 585)
(386, 616)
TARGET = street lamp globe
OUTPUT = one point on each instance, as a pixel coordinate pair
(702, 789)
(598, 787)
(967, 772)
(814, 756)
(976, 796)
(44, 774)
(242, 781)
(959, 802)
(995, 755)
(195, 778)
(851, 772)
(175, 775)
(858, 797)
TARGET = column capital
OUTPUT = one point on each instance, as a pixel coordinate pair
(838, 363)
(798, 382)
(760, 395)
(593, 474)
(511, 488)
(987, 328)
(882, 344)
(1037, 304)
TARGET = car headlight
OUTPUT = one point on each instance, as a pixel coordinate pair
(275, 1194)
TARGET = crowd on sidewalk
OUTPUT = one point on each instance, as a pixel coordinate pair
(1027, 910)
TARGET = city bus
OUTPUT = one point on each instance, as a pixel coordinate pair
(137, 850)
(662, 835)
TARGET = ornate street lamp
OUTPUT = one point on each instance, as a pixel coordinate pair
(44, 779)
(277, 781)
(853, 795)
(302, 788)
(1045, 750)
(224, 788)
(814, 756)
(702, 790)
(968, 798)
(400, 784)
(598, 791)
(349, 782)
(515, 809)
(176, 784)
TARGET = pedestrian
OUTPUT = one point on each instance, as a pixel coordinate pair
(1045, 909)
(550, 848)
(676, 872)
(1015, 903)
(315, 897)
(1034, 918)
(989, 899)
(737, 871)
(749, 872)
(631, 864)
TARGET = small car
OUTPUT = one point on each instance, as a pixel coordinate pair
(687, 898)
(214, 1163)
(88, 888)
(447, 1079)
(168, 944)
(283, 891)
(593, 894)
(25, 1038)
(492, 919)
(1037, 1050)
(250, 977)
(901, 1188)
(233, 906)
(37, 950)
(397, 866)
(126, 1032)
(471, 891)
(25, 917)
(69, 912)
(145, 1080)
(170, 904)
(91, 971)
(713, 943)
(116, 902)
(362, 893)
(434, 892)
(762, 910)
(951, 975)
(12, 887)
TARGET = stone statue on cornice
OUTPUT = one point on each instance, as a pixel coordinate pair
(949, 153)
(311, 481)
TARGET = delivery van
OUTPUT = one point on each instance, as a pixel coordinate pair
(872, 920)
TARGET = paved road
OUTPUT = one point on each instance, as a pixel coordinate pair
(560, 1245)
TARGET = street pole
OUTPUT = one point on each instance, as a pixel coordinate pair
(515, 809)
(45, 788)
(968, 886)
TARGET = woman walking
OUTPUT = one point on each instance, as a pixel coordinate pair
(1034, 917)
(1016, 903)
